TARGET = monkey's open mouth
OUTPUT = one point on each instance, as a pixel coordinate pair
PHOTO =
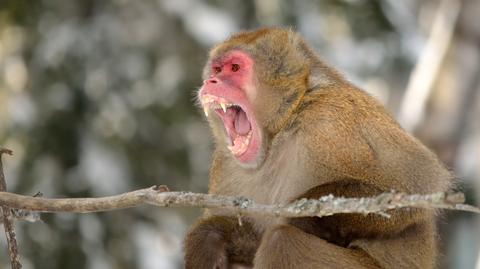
(239, 126)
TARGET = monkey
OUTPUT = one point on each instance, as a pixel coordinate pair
(287, 126)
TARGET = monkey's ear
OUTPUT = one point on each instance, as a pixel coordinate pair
(320, 77)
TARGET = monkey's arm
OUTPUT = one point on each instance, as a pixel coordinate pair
(286, 246)
(289, 247)
(405, 240)
(414, 247)
(220, 242)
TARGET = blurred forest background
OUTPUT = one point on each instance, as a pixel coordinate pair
(96, 98)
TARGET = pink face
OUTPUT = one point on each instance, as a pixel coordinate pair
(228, 92)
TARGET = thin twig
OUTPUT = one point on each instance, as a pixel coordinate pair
(8, 222)
(160, 196)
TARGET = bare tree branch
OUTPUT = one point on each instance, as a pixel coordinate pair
(24, 215)
(427, 68)
(160, 196)
(8, 222)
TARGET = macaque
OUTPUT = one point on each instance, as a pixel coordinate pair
(287, 126)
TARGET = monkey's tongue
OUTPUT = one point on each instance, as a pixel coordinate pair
(241, 123)
(238, 128)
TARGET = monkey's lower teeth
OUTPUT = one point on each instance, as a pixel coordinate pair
(240, 144)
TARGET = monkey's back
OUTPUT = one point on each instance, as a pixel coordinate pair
(351, 135)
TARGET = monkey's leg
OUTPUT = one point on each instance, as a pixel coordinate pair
(220, 242)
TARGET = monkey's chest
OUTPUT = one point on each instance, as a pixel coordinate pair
(273, 184)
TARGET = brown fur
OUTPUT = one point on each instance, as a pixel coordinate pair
(321, 135)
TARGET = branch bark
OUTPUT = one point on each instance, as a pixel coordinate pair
(162, 197)
(8, 222)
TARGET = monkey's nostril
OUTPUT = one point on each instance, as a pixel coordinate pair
(210, 80)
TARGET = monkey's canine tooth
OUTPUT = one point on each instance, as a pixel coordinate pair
(224, 107)
(205, 110)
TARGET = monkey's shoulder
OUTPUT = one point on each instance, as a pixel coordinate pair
(348, 104)
(350, 134)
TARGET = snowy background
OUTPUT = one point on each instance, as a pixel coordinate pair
(96, 98)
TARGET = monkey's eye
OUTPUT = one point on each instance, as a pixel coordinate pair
(235, 67)
(217, 69)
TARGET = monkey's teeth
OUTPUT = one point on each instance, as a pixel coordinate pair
(224, 107)
(240, 144)
(205, 110)
(215, 102)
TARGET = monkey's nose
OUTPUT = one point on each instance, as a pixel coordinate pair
(210, 80)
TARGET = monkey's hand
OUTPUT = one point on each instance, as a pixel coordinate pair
(219, 242)
(205, 245)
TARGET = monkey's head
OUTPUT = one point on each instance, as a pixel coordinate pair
(253, 84)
